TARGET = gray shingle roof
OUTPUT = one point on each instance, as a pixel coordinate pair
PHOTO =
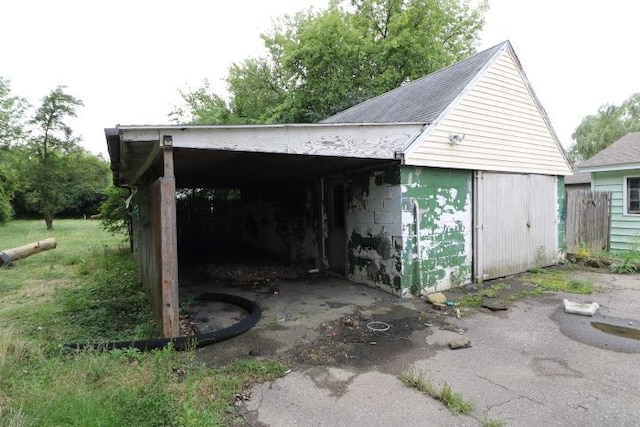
(422, 100)
(624, 151)
(578, 177)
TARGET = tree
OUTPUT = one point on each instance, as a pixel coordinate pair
(113, 212)
(87, 178)
(596, 132)
(201, 107)
(12, 109)
(322, 62)
(45, 180)
(6, 185)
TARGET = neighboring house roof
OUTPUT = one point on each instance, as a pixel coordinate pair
(421, 100)
(578, 177)
(621, 155)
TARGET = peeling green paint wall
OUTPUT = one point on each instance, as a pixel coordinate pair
(282, 220)
(438, 255)
(374, 228)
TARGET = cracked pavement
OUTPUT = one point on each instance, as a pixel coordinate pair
(522, 369)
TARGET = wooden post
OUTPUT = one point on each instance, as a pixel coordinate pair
(169, 245)
(14, 254)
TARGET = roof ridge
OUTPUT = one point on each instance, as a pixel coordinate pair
(448, 82)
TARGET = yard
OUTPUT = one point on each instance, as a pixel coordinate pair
(320, 328)
(87, 290)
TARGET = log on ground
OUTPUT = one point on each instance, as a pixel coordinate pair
(9, 255)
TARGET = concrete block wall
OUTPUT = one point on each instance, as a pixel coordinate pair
(438, 255)
(374, 228)
(282, 220)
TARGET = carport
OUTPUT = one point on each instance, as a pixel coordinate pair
(296, 169)
(451, 178)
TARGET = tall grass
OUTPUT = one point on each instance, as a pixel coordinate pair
(87, 289)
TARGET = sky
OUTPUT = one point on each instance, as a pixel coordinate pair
(127, 60)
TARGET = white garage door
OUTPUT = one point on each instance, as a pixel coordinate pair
(516, 223)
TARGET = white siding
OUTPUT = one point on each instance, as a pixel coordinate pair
(516, 223)
(625, 229)
(505, 130)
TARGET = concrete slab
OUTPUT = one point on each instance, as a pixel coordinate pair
(524, 367)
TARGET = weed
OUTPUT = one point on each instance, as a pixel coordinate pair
(476, 300)
(622, 262)
(537, 270)
(556, 281)
(454, 401)
(583, 251)
(470, 300)
(625, 266)
(579, 287)
(493, 291)
(524, 294)
(492, 422)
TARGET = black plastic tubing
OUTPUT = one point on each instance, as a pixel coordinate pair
(199, 340)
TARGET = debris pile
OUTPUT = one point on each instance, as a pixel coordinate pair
(439, 301)
(253, 274)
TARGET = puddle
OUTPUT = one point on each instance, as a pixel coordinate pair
(609, 333)
(620, 331)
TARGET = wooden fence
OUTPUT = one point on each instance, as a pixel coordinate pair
(208, 221)
(588, 221)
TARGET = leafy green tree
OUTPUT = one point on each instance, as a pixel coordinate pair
(113, 212)
(322, 62)
(44, 180)
(258, 91)
(201, 107)
(87, 177)
(6, 186)
(596, 132)
(12, 111)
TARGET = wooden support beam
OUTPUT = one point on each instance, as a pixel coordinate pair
(169, 248)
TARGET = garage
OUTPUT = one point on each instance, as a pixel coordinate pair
(401, 192)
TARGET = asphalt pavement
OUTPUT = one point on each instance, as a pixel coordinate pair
(531, 365)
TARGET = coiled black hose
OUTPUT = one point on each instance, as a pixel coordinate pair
(199, 340)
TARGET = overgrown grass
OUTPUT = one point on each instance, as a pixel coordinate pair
(111, 304)
(87, 289)
(476, 299)
(549, 280)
